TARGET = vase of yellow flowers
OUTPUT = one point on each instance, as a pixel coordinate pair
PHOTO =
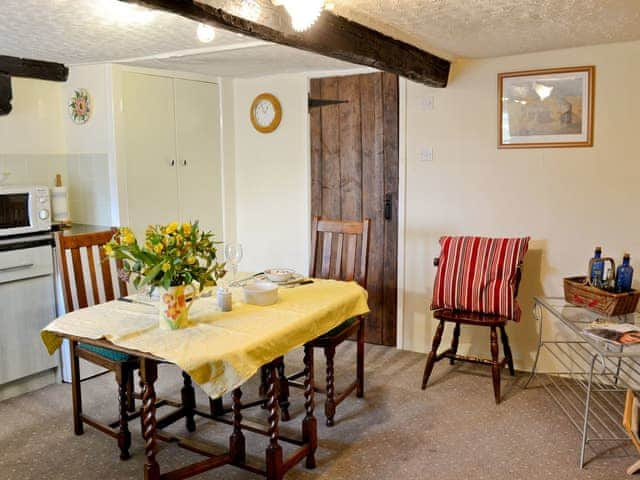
(180, 260)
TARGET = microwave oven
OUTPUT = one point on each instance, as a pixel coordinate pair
(24, 210)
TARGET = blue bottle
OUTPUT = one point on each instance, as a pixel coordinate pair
(624, 275)
(597, 269)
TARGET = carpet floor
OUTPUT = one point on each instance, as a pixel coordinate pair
(451, 431)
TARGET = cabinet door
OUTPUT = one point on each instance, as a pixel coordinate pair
(198, 147)
(150, 150)
(27, 299)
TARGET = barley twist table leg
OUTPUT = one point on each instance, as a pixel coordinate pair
(309, 424)
(274, 450)
(149, 374)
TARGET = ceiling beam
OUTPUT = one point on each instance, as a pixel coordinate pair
(332, 36)
(5, 94)
(23, 67)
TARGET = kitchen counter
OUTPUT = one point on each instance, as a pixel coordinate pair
(78, 228)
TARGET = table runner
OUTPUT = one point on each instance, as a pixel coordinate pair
(220, 350)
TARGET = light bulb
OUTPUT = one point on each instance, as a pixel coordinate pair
(303, 13)
(206, 33)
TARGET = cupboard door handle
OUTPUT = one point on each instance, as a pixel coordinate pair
(172, 163)
(184, 163)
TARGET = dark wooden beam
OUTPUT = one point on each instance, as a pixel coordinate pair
(5, 94)
(332, 36)
(24, 67)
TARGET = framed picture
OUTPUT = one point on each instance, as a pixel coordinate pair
(546, 108)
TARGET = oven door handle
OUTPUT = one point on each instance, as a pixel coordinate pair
(17, 268)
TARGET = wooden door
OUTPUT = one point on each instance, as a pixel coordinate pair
(354, 175)
(198, 146)
(150, 150)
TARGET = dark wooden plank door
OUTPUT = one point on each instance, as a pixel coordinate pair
(354, 171)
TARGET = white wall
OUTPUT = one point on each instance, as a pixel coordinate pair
(568, 200)
(88, 147)
(31, 137)
(35, 124)
(271, 175)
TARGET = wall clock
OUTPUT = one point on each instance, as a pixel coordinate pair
(266, 113)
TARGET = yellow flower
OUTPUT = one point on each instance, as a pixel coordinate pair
(191, 260)
(158, 248)
(129, 238)
(108, 249)
(166, 266)
(172, 227)
(186, 229)
(148, 245)
(149, 231)
(178, 239)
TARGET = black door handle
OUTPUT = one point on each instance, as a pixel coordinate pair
(388, 206)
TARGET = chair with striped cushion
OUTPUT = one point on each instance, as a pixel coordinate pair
(477, 284)
(87, 278)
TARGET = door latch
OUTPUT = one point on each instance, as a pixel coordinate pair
(388, 206)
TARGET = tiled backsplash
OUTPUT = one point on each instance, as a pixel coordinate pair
(85, 175)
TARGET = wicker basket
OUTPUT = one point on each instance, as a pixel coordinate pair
(579, 291)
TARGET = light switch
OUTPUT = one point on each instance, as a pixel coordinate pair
(427, 103)
(426, 154)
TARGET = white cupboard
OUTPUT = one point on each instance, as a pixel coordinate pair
(168, 137)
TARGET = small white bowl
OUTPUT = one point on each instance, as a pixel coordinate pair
(279, 275)
(261, 293)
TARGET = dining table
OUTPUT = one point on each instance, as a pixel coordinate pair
(219, 351)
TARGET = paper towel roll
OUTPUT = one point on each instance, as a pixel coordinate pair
(60, 204)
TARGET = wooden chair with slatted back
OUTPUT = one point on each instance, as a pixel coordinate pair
(93, 282)
(339, 251)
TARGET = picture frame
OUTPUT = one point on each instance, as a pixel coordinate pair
(546, 108)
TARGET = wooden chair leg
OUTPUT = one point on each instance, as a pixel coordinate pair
(330, 403)
(360, 360)
(216, 406)
(455, 341)
(76, 392)
(124, 435)
(495, 366)
(131, 407)
(431, 359)
(507, 350)
(188, 396)
(283, 391)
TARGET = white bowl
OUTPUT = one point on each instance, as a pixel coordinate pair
(279, 274)
(261, 293)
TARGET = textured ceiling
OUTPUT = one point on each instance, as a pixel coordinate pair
(488, 28)
(249, 62)
(96, 31)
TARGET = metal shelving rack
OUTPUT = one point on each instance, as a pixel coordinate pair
(594, 375)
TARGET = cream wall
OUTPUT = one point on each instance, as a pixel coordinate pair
(34, 126)
(567, 200)
(271, 176)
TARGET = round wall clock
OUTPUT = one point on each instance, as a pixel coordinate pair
(266, 113)
(80, 106)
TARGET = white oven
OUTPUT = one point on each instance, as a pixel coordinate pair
(24, 210)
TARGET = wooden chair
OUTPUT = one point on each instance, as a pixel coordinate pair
(101, 287)
(339, 251)
(494, 322)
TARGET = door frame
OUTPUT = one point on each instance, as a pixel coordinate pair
(402, 176)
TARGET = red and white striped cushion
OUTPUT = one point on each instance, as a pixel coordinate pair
(477, 274)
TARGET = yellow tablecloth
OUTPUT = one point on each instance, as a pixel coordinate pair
(220, 351)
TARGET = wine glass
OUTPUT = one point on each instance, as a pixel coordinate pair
(233, 256)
